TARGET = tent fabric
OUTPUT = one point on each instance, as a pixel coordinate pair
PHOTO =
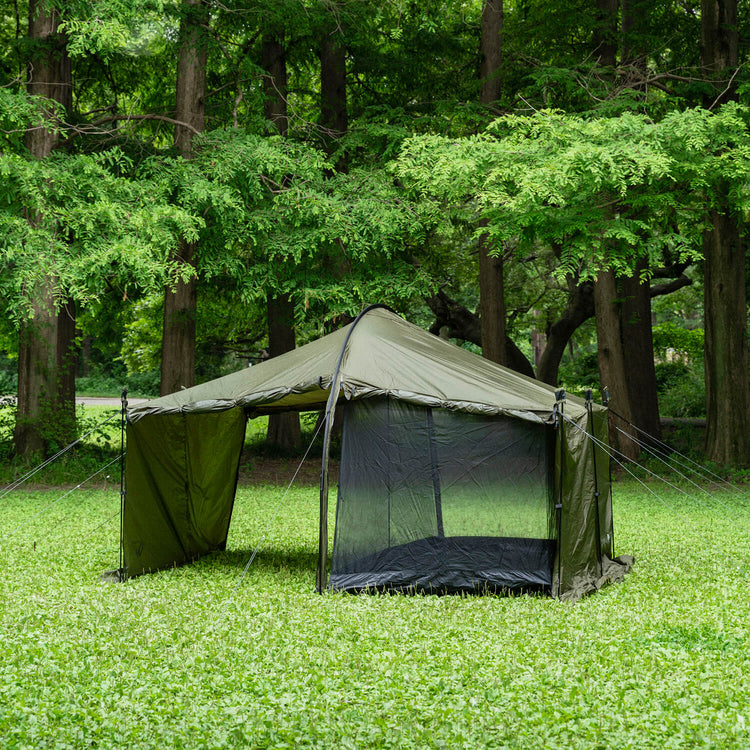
(180, 487)
(184, 448)
(386, 356)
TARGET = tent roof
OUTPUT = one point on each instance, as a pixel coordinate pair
(385, 355)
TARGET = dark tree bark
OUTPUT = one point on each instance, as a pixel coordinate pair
(181, 303)
(626, 357)
(333, 96)
(724, 299)
(491, 276)
(283, 429)
(579, 309)
(605, 32)
(456, 321)
(273, 61)
(46, 361)
(719, 48)
(726, 352)
(491, 51)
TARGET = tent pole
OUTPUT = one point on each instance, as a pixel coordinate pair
(605, 403)
(435, 474)
(321, 575)
(124, 411)
(558, 410)
(597, 525)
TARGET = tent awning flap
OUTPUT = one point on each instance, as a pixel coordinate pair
(384, 355)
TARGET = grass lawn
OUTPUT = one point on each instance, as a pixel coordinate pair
(188, 658)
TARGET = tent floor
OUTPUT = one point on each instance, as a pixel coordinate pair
(475, 564)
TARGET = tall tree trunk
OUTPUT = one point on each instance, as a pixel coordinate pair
(491, 43)
(726, 350)
(283, 429)
(626, 358)
(333, 97)
(719, 48)
(273, 61)
(638, 343)
(181, 303)
(46, 365)
(605, 32)
(724, 299)
(491, 277)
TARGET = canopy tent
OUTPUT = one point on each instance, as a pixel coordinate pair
(456, 473)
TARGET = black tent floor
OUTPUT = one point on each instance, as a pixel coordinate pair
(474, 564)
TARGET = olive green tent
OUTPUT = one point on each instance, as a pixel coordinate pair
(456, 473)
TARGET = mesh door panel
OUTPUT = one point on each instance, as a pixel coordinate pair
(432, 499)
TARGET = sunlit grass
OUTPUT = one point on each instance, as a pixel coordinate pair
(197, 658)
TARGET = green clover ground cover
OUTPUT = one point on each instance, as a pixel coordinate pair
(186, 658)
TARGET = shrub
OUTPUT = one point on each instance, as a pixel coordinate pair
(681, 389)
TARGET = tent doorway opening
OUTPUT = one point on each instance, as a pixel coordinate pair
(440, 501)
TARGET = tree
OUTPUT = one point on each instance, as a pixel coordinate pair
(725, 303)
(180, 302)
(283, 429)
(491, 284)
(47, 353)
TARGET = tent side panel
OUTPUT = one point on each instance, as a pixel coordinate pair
(181, 475)
(584, 559)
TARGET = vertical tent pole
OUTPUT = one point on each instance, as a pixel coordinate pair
(435, 473)
(597, 525)
(557, 412)
(336, 381)
(605, 403)
(123, 416)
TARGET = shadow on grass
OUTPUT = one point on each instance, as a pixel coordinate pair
(270, 560)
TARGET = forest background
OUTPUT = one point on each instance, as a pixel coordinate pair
(191, 187)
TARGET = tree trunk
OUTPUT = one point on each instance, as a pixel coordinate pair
(638, 345)
(333, 98)
(181, 303)
(46, 380)
(491, 44)
(178, 331)
(491, 277)
(719, 49)
(579, 309)
(457, 322)
(491, 302)
(283, 429)
(275, 83)
(726, 352)
(724, 299)
(605, 32)
(626, 359)
(36, 376)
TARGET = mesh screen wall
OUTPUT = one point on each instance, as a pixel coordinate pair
(434, 500)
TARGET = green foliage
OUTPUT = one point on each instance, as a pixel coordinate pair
(193, 658)
(92, 228)
(579, 374)
(681, 389)
(602, 191)
(679, 341)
